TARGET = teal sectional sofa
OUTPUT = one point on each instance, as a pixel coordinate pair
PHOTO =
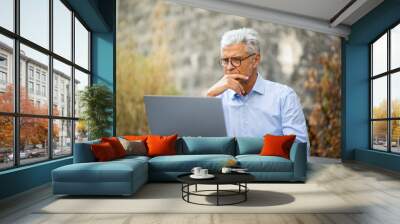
(125, 176)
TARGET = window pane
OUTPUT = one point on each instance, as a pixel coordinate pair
(395, 47)
(379, 97)
(33, 140)
(395, 94)
(379, 135)
(7, 14)
(81, 131)
(395, 136)
(34, 72)
(62, 29)
(81, 45)
(81, 81)
(6, 142)
(379, 55)
(62, 89)
(35, 21)
(62, 138)
(6, 74)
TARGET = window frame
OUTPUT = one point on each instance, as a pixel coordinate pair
(388, 74)
(16, 114)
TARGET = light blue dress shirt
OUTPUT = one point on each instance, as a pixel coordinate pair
(269, 108)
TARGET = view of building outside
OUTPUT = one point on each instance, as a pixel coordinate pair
(34, 99)
(34, 118)
(165, 48)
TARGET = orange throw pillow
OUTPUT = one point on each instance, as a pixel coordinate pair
(116, 145)
(277, 145)
(161, 145)
(103, 151)
(135, 137)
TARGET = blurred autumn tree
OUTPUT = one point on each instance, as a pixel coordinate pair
(141, 75)
(33, 130)
(379, 128)
(324, 119)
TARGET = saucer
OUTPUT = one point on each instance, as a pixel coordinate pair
(208, 176)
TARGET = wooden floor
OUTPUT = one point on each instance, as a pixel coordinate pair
(379, 189)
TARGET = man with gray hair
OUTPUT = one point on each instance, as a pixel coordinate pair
(253, 106)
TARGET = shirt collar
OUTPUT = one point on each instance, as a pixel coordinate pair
(257, 88)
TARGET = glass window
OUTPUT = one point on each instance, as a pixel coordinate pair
(43, 90)
(62, 29)
(379, 56)
(81, 131)
(6, 73)
(3, 60)
(395, 47)
(30, 72)
(33, 140)
(81, 81)
(7, 14)
(395, 136)
(379, 98)
(62, 137)
(62, 72)
(379, 135)
(6, 142)
(37, 89)
(395, 95)
(40, 61)
(381, 119)
(34, 80)
(34, 21)
(30, 87)
(81, 45)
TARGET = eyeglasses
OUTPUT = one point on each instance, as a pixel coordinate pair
(235, 61)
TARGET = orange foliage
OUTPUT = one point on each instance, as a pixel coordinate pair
(33, 130)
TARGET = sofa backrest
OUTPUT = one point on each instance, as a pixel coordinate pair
(83, 152)
(206, 145)
(249, 145)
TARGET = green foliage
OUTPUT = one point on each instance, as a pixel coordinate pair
(97, 104)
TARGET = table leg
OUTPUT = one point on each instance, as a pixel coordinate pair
(217, 194)
(245, 193)
(196, 188)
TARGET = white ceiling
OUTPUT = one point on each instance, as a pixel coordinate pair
(320, 9)
(316, 15)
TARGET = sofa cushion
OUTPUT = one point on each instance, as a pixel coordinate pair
(257, 163)
(161, 145)
(116, 145)
(249, 145)
(103, 152)
(277, 145)
(185, 163)
(207, 145)
(112, 171)
(135, 147)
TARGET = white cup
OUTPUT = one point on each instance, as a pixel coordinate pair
(226, 170)
(196, 171)
(203, 172)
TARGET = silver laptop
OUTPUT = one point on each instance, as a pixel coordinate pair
(186, 116)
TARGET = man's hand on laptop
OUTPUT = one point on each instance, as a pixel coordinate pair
(228, 81)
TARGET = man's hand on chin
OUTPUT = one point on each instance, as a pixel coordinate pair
(228, 81)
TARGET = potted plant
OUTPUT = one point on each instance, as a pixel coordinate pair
(96, 102)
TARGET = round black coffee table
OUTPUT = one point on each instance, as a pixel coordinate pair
(238, 179)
